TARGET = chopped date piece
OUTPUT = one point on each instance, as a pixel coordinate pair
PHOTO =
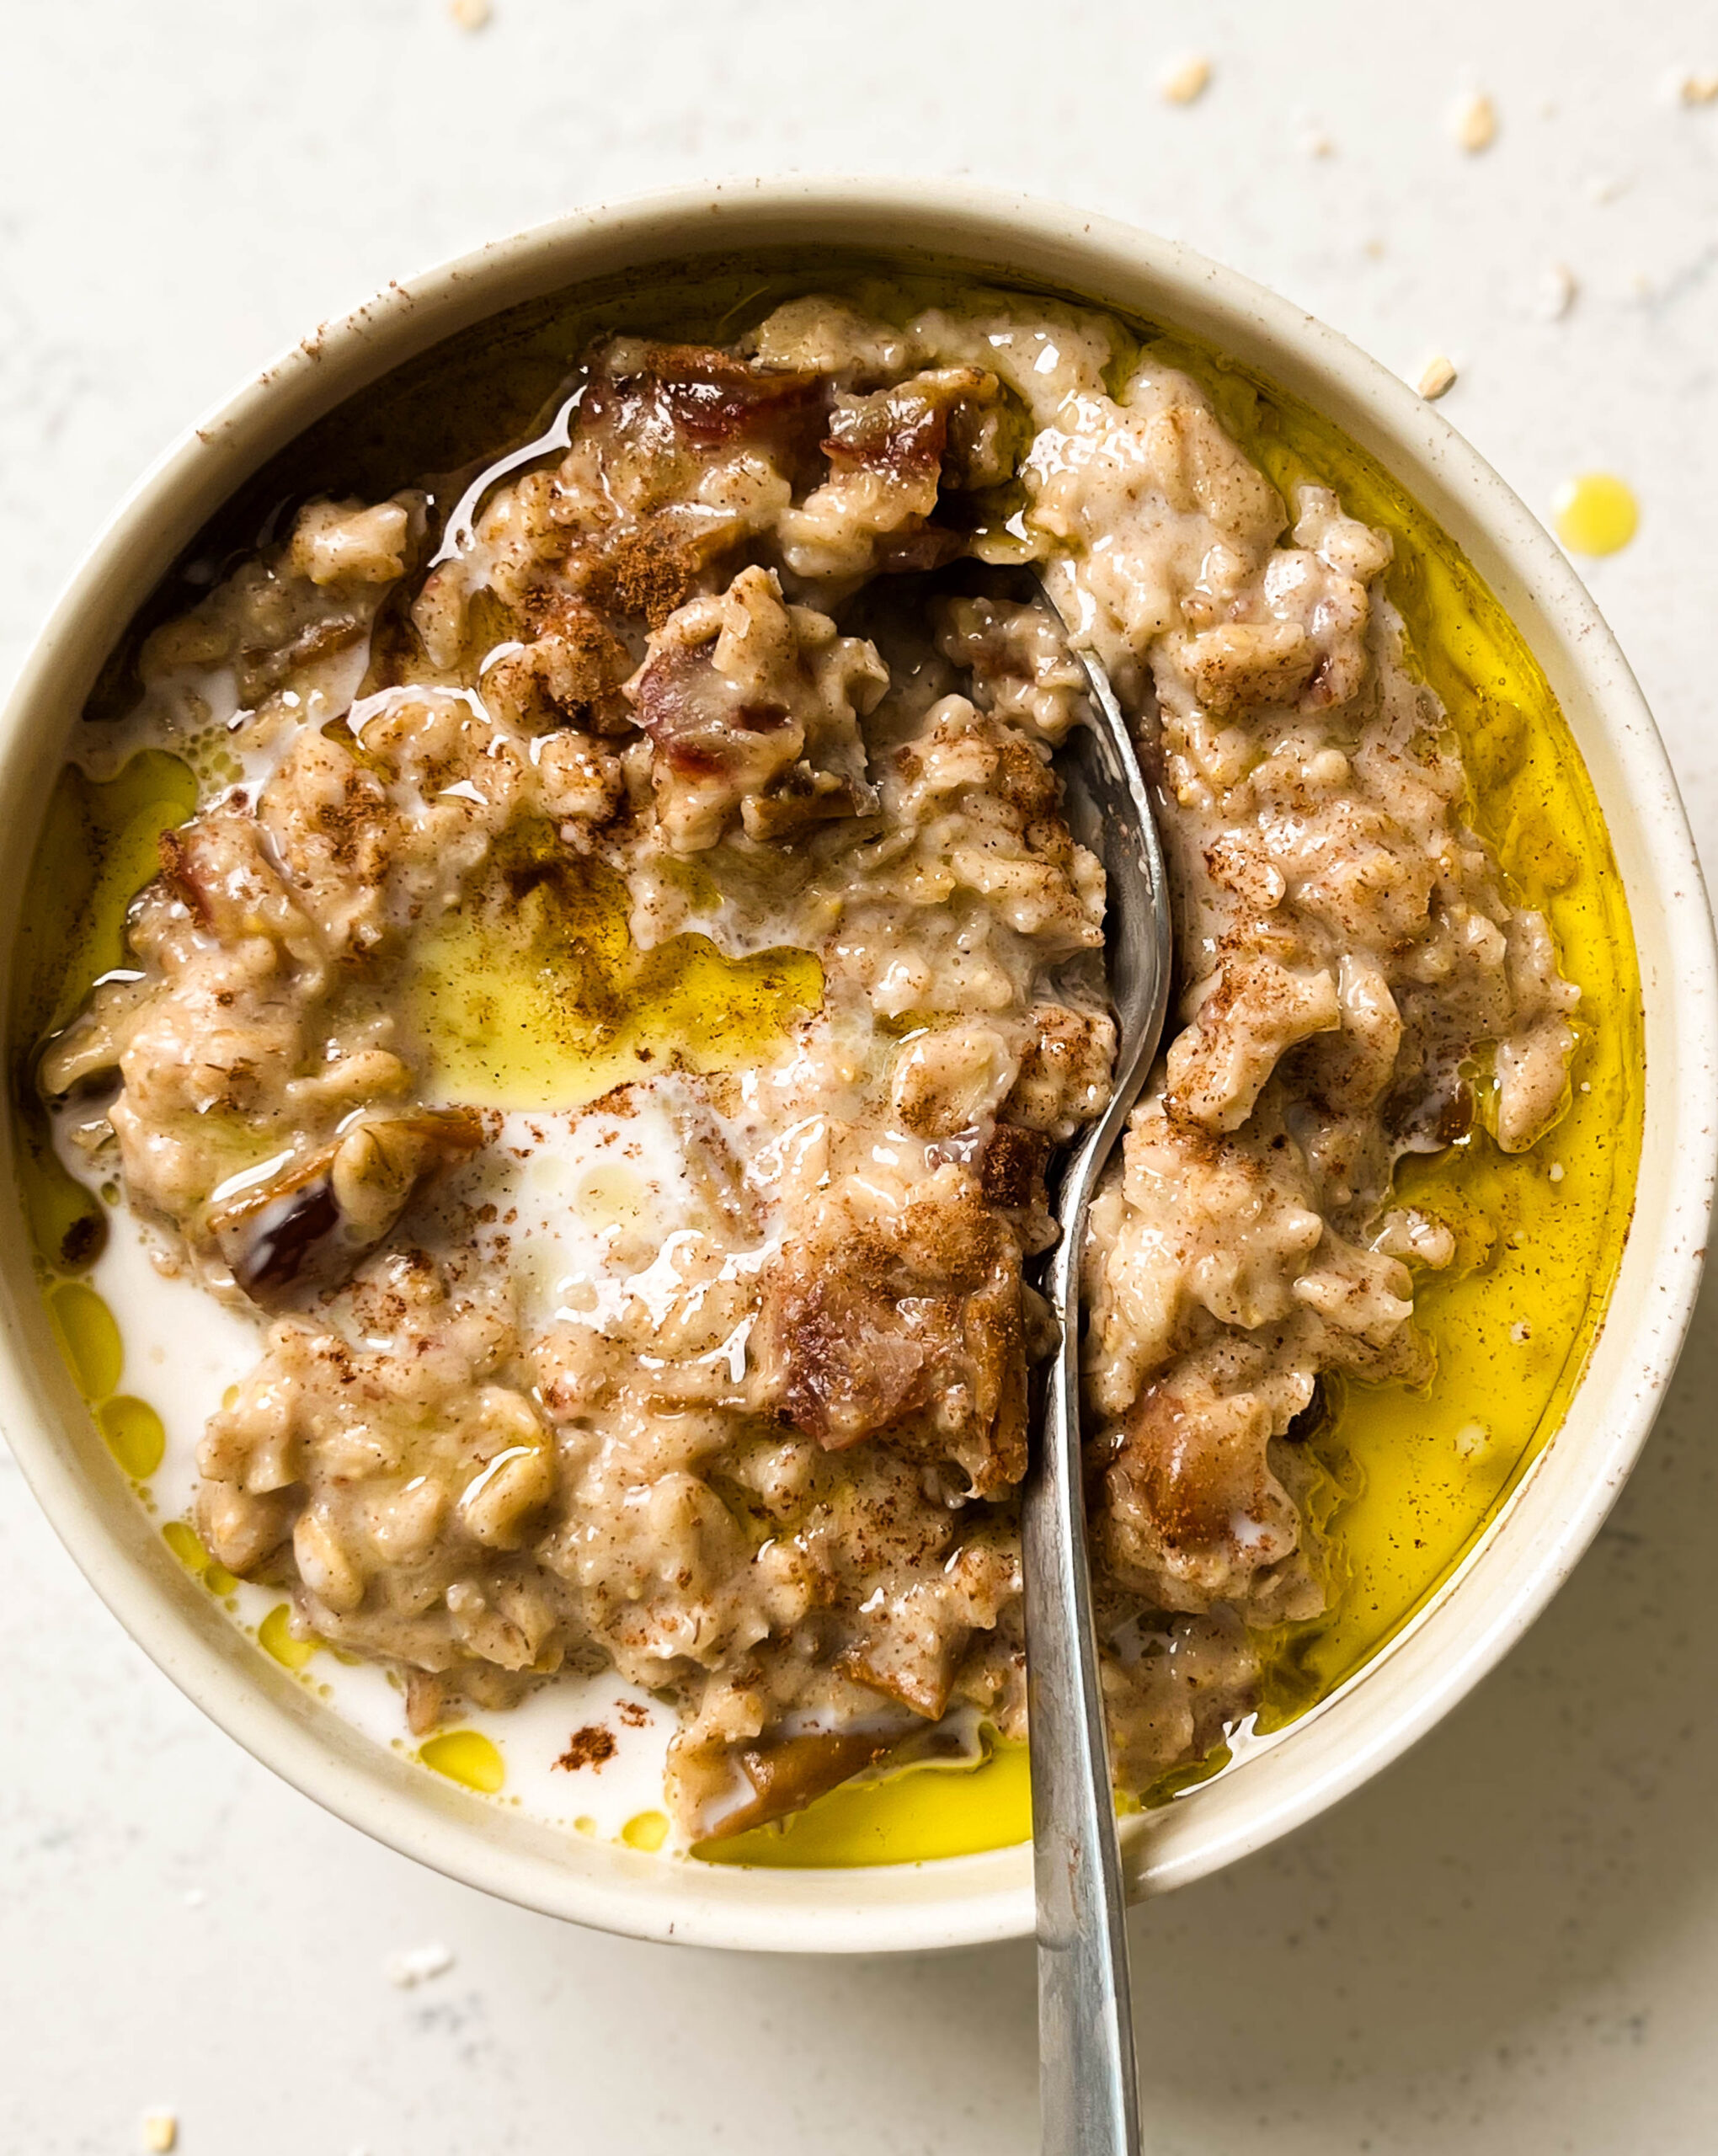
(928, 432)
(800, 798)
(216, 869)
(700, 730)
(724, 1791)
(1011, 1168)
(660, 398)
(752, 709)
(912, 1325)
(309, 1227)
(1192, 1489)
(890, 455)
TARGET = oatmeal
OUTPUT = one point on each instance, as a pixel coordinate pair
(740, 699)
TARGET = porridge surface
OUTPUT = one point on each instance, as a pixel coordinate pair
(698, 1354)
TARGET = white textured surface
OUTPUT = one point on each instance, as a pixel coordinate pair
(1509, 1942)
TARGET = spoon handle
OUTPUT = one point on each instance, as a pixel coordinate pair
(1087, 2077)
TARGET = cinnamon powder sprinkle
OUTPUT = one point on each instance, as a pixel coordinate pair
(588, 1747)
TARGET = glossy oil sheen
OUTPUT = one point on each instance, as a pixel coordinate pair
(532, 994)
(1413, 1477)
(467, 1757)
(99, 844)
(1416, 1475)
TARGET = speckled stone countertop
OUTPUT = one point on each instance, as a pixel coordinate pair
(1509, 1942)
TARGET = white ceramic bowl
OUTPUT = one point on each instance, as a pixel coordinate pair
(1505, 1581)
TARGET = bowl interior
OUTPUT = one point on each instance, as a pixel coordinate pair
(286, 434)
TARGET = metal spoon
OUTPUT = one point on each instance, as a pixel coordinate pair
(1087, 2077)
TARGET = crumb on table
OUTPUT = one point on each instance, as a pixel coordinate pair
(1437, 376)
(1185, 79)
(1474, 121)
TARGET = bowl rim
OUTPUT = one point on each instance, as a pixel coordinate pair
(1500, 1586)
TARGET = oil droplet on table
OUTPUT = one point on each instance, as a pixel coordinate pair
(133, 1434)
(1596, 513)
(467, 1756)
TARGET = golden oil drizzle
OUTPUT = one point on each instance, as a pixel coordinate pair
(467, 1757)
(646, 1830)
(532, 994)
(134, 1433)
(913, 1817)
(275, 1636)
(188, 1547)
(99, 844)
(89, 1336)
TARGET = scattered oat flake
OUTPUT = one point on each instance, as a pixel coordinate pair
(160, 2131)
(1555, 1171)
(1471, 1440)
(417, 1964)
(1557, 288)
(1185, 79)
(1437, 376)
(1473, 120)
(470, 14)
(1697, 88)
